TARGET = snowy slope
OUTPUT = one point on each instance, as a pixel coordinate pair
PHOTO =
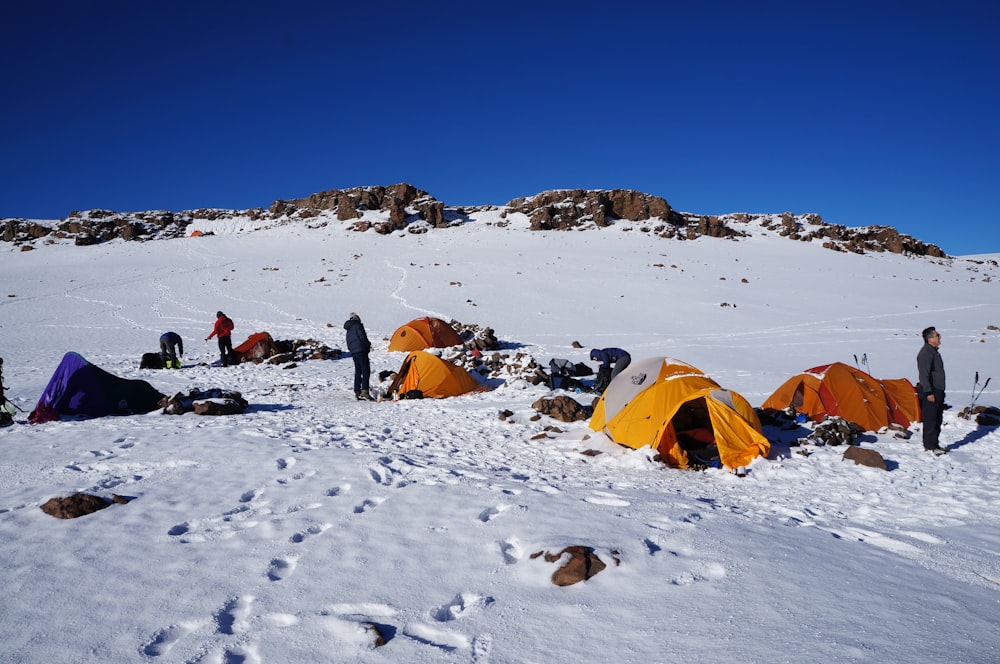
(279, 535)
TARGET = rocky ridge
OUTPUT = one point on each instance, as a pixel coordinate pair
(406, 208)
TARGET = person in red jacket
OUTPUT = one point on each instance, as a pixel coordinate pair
(223, 330)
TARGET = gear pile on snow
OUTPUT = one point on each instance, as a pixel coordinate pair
(833, 431)
(299, 350)
(205, 402)
(985, 416)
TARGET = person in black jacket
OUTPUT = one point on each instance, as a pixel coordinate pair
(930, 389)
(171, 345)
(358, 344)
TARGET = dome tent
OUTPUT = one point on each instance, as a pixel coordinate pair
(78, 387)
(841, 390)
(674, 408)
(433, 377)
(423, 333)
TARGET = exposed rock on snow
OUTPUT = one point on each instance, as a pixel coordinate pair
(399, 207)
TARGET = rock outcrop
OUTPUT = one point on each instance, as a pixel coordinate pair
(404, 207)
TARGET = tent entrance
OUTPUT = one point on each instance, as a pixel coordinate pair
(692, 426)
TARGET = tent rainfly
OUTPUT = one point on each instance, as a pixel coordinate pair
(423, 333)
(78, 387)
(677, 410)
(433, 377)
(839, 389)
(258, 346)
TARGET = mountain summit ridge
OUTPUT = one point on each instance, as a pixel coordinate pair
(403, 207)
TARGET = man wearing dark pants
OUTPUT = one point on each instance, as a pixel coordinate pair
(358, 344)
(223, 329)
(171, 345)
(930, 389)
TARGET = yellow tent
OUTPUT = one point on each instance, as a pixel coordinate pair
(433, 376)
(675, 408)
(423, 333)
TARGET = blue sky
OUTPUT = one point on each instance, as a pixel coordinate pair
(864, 112)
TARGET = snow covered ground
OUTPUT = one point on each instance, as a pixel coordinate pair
(284, 534)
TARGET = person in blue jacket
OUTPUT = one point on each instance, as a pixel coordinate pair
(612, 361)
(358, 344)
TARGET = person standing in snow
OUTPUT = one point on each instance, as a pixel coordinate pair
(171, 345)
(223, 330)
(358, 344)
(608, 357)
(930, 389)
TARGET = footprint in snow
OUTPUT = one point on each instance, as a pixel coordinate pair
(168, 637)
(460, 605)
(303, 535)
(282, 568)
(481, 647)
(491, 513)
(368, 504)
(232, 618)
(511, 550)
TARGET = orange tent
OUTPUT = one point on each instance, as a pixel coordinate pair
(258, 346)
(841, 390)
(433, 376)
(423, 333)
(674, 408)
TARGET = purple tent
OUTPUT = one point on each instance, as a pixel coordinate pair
(80, 388)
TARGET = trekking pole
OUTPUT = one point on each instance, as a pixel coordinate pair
(975, 396)
(864, 361)
(856, 361)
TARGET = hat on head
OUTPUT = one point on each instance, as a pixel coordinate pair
(354, 316)
(219, 314)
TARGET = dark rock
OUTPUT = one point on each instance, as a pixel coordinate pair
(218, 407)
(864, 457)
(76, 505)
(562, 408)
(582, 564)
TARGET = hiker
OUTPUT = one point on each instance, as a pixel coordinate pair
(605, 373)
(223, 330)
(171, 346)
(6, 406)
(930, 390)
(358, 344)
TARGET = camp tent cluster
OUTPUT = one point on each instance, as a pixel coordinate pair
(660, 402)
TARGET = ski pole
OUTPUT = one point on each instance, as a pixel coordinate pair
(975, 397)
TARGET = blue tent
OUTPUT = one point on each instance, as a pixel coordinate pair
(80, 388)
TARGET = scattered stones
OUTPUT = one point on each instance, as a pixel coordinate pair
(224, 402)
(833, 431)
